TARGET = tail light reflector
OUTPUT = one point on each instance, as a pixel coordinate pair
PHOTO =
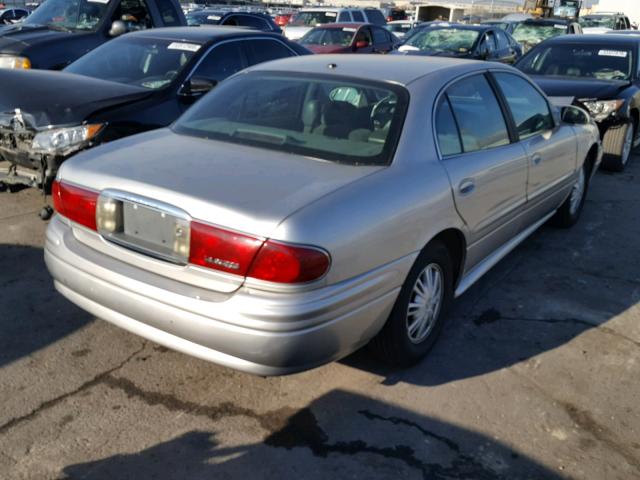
(213, 247)
(75, 203)
(285, 263)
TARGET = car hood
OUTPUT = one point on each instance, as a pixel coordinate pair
(238, 187)
(294, 33)
(328, 48)
(577, 88)
(58, 98)
(15, 38)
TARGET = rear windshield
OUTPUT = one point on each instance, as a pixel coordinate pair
(325, 117)
(329, 36)
(598, 21)
(530, 35)
(443, 40)
(398, 27)
(313, 18)
(598, 62)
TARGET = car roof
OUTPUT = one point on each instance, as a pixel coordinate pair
(461, 26)
(546, 21)
(601, 39)
(203, 34)
(344, 25)
(401, 69)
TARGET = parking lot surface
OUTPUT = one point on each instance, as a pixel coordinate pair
(535, 376)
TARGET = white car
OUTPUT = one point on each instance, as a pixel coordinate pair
(401, 27)
(309, 18)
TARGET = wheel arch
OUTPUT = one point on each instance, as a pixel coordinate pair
(455, 242)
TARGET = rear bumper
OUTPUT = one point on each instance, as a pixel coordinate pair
(259, 332)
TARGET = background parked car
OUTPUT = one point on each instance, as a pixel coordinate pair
(530, 33)
(298, 212)
(257, 21)
(599, 73)
(478, 42)
(141, 81)
(603, 22)
(401, 27)
(349, 38)
(392, 14)
(61, 31)
(308, 18)
(283, 19)
(507, 25)
(10, 16)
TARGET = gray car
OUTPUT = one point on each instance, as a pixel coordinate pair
(308, 207)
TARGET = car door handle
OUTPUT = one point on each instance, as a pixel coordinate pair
(466, 187)
(536, 159)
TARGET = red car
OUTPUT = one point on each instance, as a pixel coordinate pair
(282, 19)
(349, 38)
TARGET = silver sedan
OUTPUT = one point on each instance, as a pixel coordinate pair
(311, 206)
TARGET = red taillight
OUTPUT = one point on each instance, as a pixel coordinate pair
(75, 203)
(223, 250)
(245, 255)
(284, 263)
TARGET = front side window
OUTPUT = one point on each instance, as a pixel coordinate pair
(329, 36)
(357, 16)
(597, 21)
(142, 62)
(478, 114)
(221, 62)
(169, 14)
(530, 35)
(135, 14)
(344, 17)
(339, 120)
(583, 61)
(529, 109)
(68, 15)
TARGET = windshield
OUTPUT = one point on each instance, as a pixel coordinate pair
(69, 14)
(304, 19)
(329, 36)
(600, 21)
(582, 61)
(142, 62)
(443, 39)
(529, 34)
(346, 121)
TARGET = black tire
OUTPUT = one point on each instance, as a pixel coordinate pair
(393, 344)
(45, 213)
(613, 144)
(569, 212)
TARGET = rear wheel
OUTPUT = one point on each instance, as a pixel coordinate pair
(569, 213)
(617, 144)
(418, 314)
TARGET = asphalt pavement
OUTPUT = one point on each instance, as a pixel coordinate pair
(534, 377)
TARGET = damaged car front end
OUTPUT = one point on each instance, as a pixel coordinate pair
(35, 153)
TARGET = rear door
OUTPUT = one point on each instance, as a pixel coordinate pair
(551, 148)
(487, 169)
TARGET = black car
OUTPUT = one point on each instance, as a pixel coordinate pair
(533, 31)
(507, 25)
(257, 21)
(478, 42)
(600, 74)
(138, 82)
(61, 31)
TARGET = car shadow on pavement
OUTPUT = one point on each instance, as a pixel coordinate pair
(32, 314)
(315, 442)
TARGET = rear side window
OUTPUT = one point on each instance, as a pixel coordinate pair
(478, 114)
(344, 16)
(357, 16)
(259, 51)
(501, 38)
(221, 62)
(379, 36)
(529, 109)
(447, 130)
(375, 16)
(169, 14)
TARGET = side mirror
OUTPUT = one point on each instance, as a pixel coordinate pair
(574, 115)
(118, 28)
(197, 87)
(361, 44)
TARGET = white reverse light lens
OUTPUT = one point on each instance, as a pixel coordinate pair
(108, 215)
(182, 239)
(62, 140)
(601, 109)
